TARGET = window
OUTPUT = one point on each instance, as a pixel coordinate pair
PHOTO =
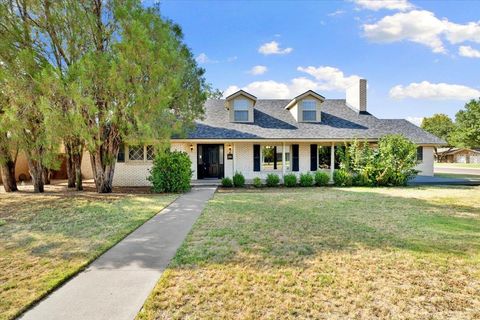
(141, 153)
(419, 153)
(271, 158)
(240, 110)
(121, 153)
(150, 150)
(309, 110)
(135, 153)
(324, 157)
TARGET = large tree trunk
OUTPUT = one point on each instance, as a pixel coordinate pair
(77, 160)
(36, 172)
(47, 174)
(103, 160)
(7, 168)
(70, 165)
(7, 171)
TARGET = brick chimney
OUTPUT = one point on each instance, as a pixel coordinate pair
(356, 96)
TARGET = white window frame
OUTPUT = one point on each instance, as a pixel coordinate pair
(240, 105)
(308, 109)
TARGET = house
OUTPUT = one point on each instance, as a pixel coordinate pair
(458, 155)
(259, 136)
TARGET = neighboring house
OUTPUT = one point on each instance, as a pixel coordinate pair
(458, 155)
(259, 136)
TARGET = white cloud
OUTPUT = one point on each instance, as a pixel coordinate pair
(415, 120)
(467, 51)
(376, 5)
(330, 78)
(231, 59)
(336, 13)
(203, 59)
(422, 27)
(435, 91)
(258, 70)
(417, 26)
(325, 79)
(273, 48)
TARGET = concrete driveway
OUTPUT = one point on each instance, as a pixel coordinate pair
(466, 171)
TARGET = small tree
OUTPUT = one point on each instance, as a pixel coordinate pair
(396, 160)
(171, 172)
(439, 125)
(467, 133)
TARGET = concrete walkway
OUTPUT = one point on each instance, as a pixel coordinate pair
(116, 285)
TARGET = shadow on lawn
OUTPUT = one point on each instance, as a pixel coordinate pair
(289, 226)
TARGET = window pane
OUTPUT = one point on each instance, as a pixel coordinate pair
(135, 152)
(121, 153)
(271, 158)
(324, 153)
(241, 115)
(221, 154)
(309, 115)
(150, 153)
(420, 153)
(309, 105)
(240, 105)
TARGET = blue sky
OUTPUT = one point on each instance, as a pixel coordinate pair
(419, 57)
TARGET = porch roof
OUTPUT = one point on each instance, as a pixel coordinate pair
(273, 121)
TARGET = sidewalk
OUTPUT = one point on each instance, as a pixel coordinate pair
(116, 285)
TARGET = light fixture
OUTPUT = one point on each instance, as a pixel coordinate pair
(191, 146)
(229, 148)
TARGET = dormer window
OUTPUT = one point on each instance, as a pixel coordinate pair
(240, 110)
(309, 110)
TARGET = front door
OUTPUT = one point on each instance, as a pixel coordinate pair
(210, 161)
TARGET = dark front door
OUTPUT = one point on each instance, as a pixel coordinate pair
(210, 161)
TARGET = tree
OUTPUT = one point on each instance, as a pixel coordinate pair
(467, 133)
(138, 82)
(439, 125)
(7, 157)
(22, 60)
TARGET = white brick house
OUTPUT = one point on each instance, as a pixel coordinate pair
(259, 136)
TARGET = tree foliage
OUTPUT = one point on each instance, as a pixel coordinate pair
(439, 125)
(467, 133)
(391, 163)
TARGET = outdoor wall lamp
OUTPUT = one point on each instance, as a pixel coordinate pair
(229, 148)
(191, 146)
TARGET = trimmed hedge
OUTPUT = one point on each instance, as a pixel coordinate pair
(272, 180)
(257, 182)
(227, 182)
(238, 180)
(306, 179)
(290, 180)
(342, 178)
(321, 178)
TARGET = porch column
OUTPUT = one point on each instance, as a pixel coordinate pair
(283, 159)
(332, 161)
(234, 160)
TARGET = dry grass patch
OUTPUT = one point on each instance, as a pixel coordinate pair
(45, 239)
(325, 253)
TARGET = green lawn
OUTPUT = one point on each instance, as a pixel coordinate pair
(328, 253)
(45, 239)
(458, 165)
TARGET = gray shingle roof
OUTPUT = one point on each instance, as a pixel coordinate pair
(273, 121)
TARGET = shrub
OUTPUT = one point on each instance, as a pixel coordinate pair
(290, 180)
(272, 180)
(342, 178)
(171, 172)
(257, 182)
(306, 179)
(238, 180)
(227, 182)
(321, 178)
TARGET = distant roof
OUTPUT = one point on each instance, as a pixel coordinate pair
(273, 121)
(446, 151)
